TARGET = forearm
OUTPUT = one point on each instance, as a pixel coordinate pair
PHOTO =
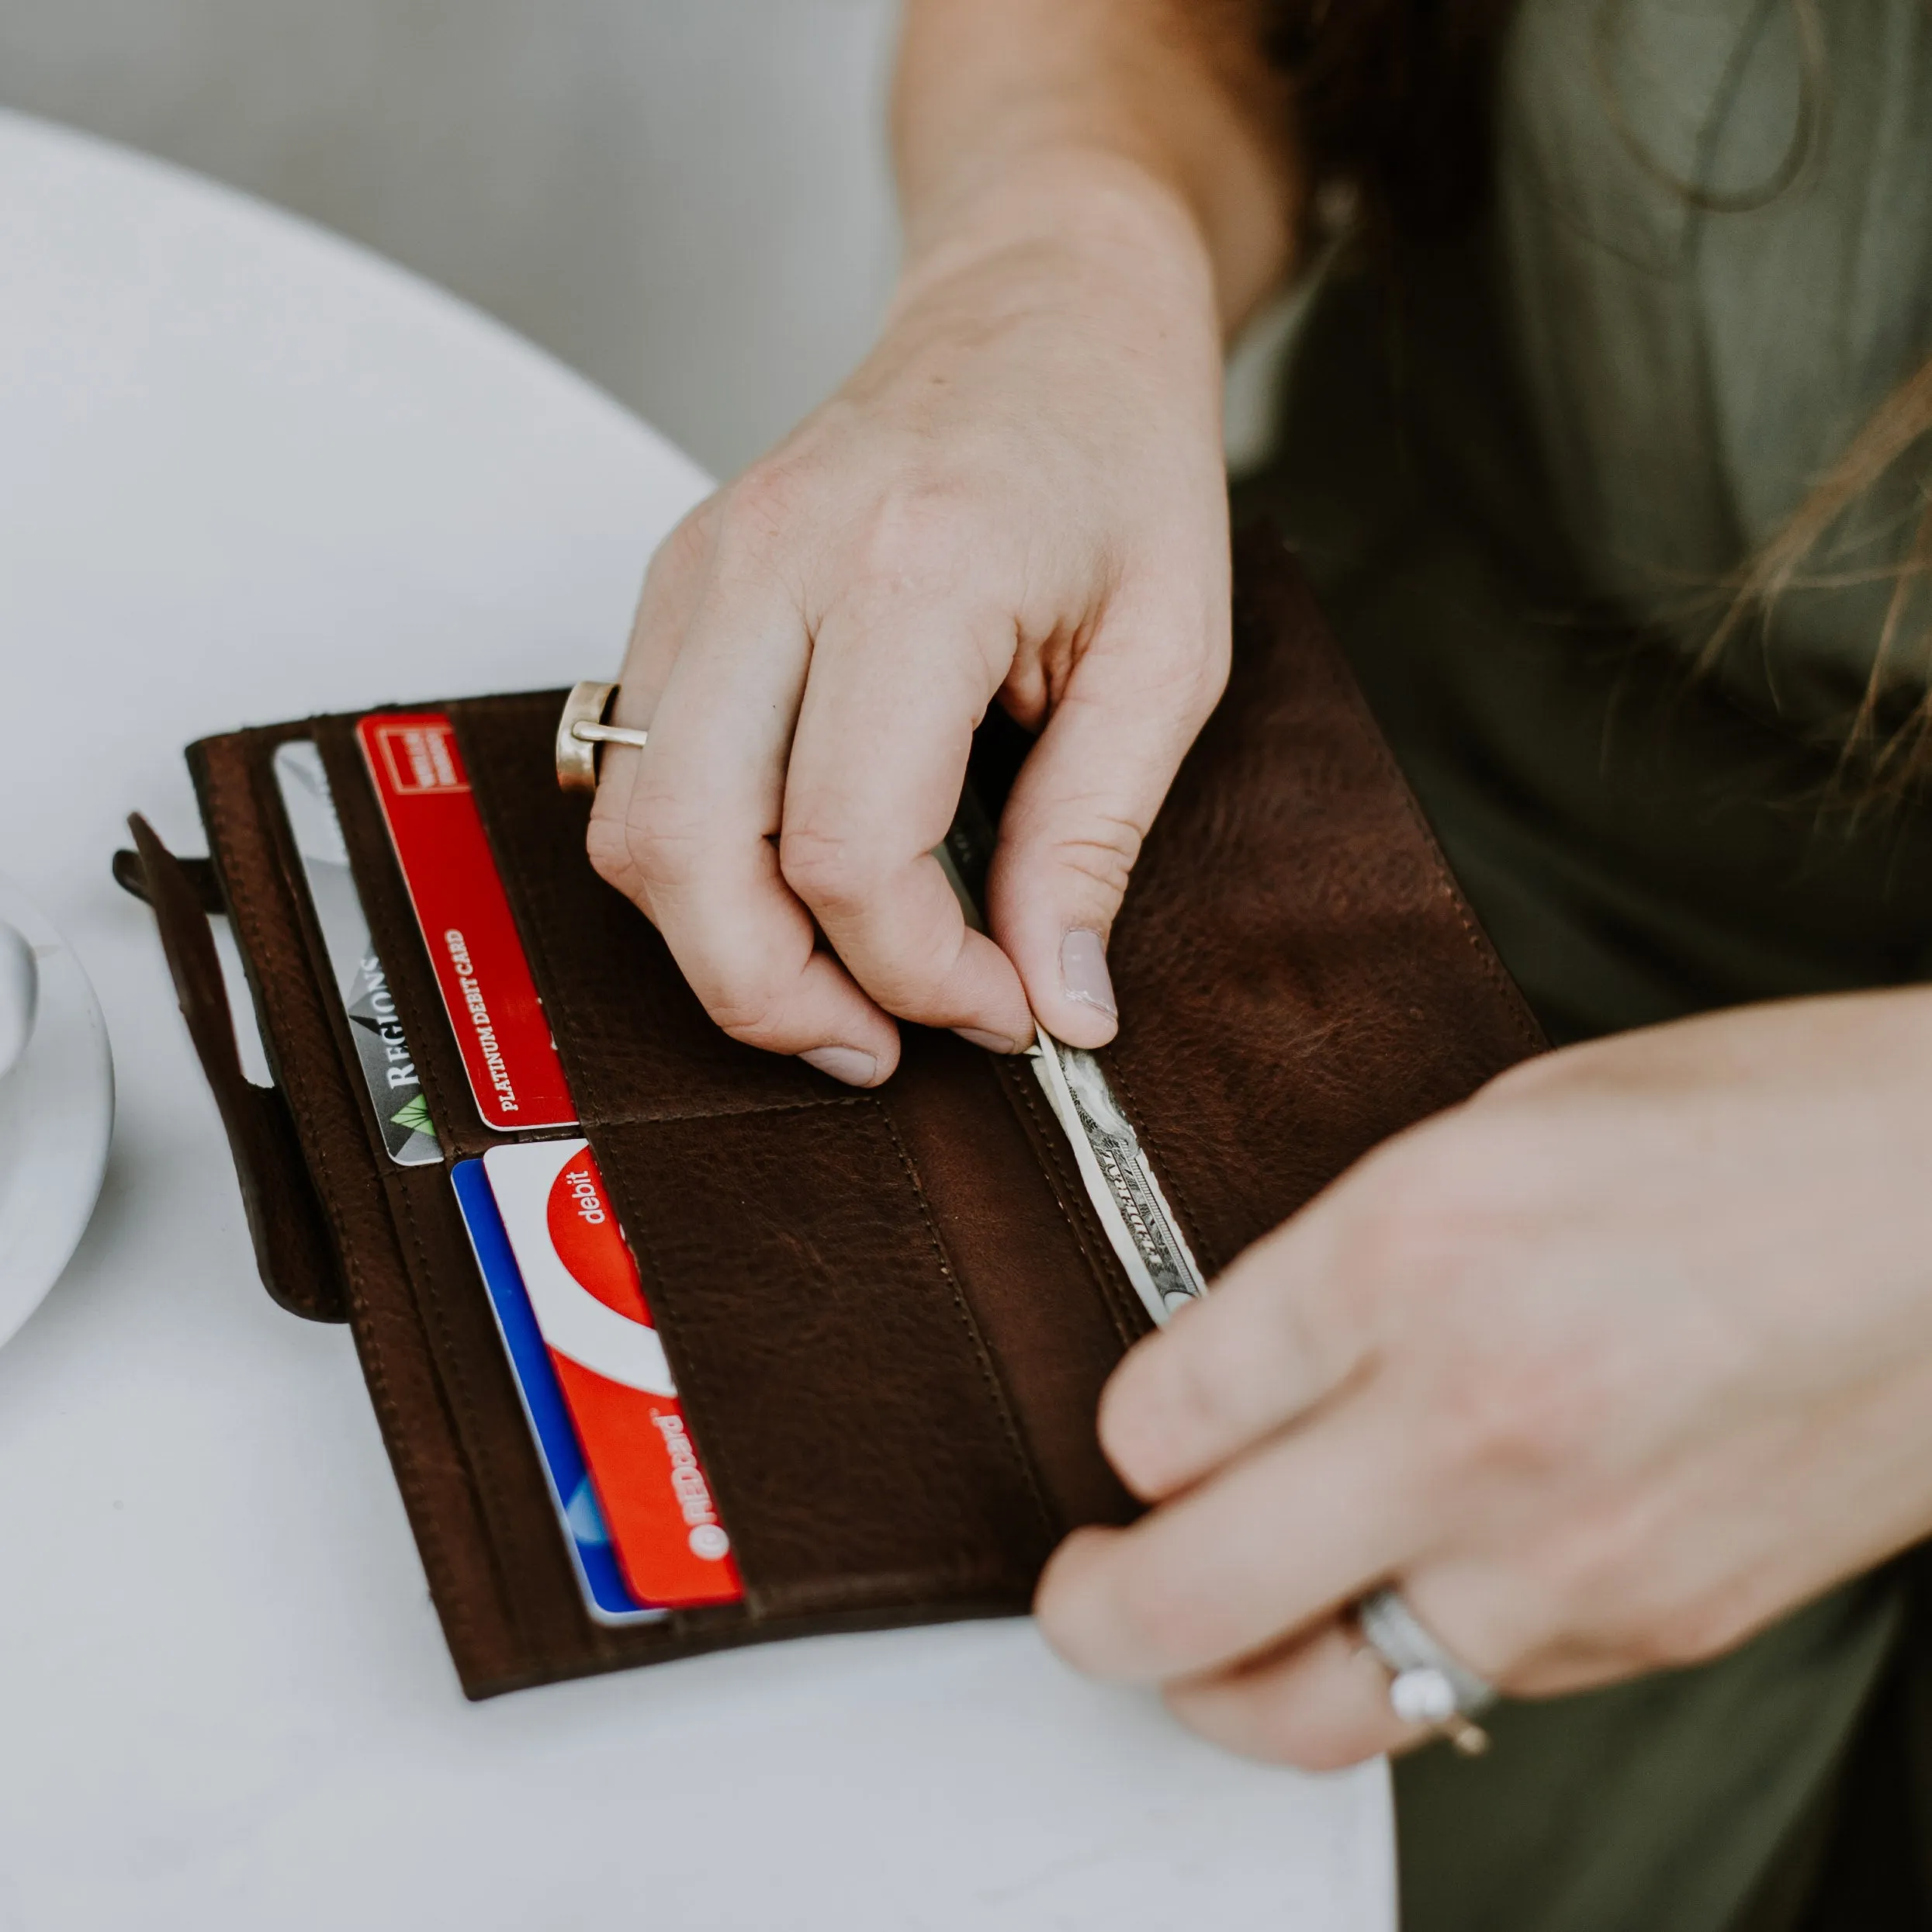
(1147, 130)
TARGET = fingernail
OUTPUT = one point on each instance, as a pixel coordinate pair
(992, 1042)
(1083, 971)
(855, 1068)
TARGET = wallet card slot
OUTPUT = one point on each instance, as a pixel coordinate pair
(295, 1254)
(522, 1534)
(635, 1044)
(398, 940)
(1298, 976)
(479, 1395)
(855, 1430)
(1050, 1301)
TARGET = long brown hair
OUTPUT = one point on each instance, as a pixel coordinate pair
(1394, 99)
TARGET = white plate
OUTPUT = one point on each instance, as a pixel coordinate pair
(56, 1113)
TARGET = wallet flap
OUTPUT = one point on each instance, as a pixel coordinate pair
(1298, 973)
(293, 1254)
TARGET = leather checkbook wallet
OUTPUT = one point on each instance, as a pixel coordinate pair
(847, 1345)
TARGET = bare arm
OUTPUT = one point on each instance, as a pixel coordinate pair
(1009, 114)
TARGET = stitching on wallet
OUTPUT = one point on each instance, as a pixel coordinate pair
(713, 1455)
(1090, 1239)
(1492, 967)
(290, 1065)
(381, 1389)
(598, 1106)
(914, 1590)
(451, 1370)
(994, 1388)
(436, 1555)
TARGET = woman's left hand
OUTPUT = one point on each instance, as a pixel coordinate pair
(1606, 1369)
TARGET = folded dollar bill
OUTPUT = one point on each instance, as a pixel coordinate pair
(1119, 1180)
(1140, 1225)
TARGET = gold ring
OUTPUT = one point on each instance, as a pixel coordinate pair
(581, 729)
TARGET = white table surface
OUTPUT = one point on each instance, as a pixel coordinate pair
(246, 472)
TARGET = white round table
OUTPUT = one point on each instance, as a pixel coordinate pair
(247, 472)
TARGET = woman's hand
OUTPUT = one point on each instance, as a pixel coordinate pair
(1019, 496)
(1606, 1369)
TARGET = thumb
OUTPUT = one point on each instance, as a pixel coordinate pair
(1072, 830)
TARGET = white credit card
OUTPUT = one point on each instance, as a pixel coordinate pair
(388, 1066)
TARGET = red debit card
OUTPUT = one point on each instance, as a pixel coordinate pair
(583, 1290)
(451, 875)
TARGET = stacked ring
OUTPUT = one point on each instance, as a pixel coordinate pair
(1428, 1684)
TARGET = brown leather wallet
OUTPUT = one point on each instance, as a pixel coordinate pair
(890, 1314)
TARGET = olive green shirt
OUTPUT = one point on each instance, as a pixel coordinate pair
(1523, 464)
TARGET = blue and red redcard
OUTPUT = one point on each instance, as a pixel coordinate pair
(585, 1535)
(633, 1498)
(581, 1285)
(595, 1383)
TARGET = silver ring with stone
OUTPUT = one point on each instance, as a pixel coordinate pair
(1428, 1684)
(581, 729)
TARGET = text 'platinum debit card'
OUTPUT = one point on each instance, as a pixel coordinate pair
(458, 896)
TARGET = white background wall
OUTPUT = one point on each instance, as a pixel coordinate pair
(688, 199)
